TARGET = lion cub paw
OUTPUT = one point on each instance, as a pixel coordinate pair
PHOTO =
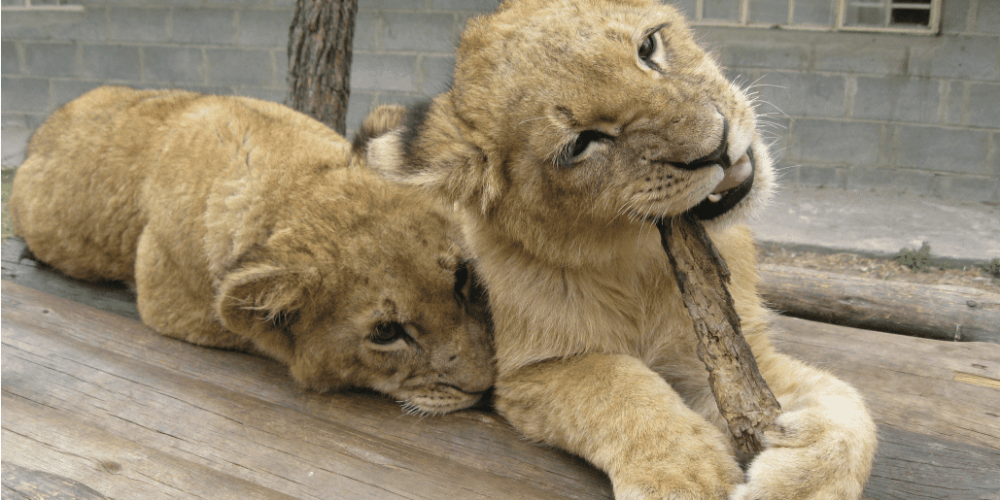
(812, 456)
(710, 474)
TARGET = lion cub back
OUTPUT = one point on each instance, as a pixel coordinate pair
(244, 224)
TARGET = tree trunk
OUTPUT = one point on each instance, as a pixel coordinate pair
(319, 59)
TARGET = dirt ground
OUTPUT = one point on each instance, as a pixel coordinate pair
(879, 269)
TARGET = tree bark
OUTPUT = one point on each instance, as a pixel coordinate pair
(743, 397)
(319, 59)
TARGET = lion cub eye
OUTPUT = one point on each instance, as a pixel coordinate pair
(578, 149)
(648, 48)
(386, 334)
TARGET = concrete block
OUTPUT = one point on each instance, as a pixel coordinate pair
(814, 13)
(13, 120)
(805, 94)
(988, 17)
(468, 5)
(773, 12)
(984, 105)
(358, 107)
(409, 5)
(366, 30)
(267, 28)
(64, 91)
(28, 95)
(281, 67)
(723, 10)
(958, 57)
(14, 142)
(384, 73)
(435, 74)
(93, 27)
(771, 55)
(958, 98)
(14, 3)
(240, 4)
(419, 32)
(954, 16)
(854, 56)
(240, 66)
(890, 180)
(173, 65)
(130, 24)
(967, 188)
(822, 176)
(204, 25)
(897, 99)
(110, 62)
(10, 59)
(829, 141)
(49, 59)
(940, 149)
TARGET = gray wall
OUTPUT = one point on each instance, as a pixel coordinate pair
(907, 113)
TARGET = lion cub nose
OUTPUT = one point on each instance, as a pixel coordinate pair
(720, 156)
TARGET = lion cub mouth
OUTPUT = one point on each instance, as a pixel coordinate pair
(730, 191)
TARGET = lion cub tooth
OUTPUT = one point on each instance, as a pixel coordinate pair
(714, 197)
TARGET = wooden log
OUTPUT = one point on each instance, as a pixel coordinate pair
(937, 312)
(744, 399)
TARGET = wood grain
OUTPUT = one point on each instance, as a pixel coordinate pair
(23, 483)
(100, 399)
(931, 311)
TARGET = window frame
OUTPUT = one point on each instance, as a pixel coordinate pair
(839, 17)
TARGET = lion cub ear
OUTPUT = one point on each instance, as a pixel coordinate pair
(263, 301)
(432, 149)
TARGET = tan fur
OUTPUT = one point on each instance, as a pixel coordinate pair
(595, 351)
(244, 224)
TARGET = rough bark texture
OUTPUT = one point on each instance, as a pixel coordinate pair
(319, 59)
(741, 393)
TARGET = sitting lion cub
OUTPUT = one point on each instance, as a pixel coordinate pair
(571, 127)
(244, 224)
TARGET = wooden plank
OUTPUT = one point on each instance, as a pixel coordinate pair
(938, 312)
(257, 440)
(41, 437)
(25, 483)
(913, 384)
(926, 413)
(19, 266)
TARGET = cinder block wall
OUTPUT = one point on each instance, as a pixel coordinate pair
(908, 113)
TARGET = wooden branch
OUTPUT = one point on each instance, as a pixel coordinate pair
(743, 397)
(937, 312)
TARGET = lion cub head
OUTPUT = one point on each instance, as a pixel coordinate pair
(572, 125)
(373, 293)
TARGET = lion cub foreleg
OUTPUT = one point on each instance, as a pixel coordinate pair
(824, 428)
(622, 417)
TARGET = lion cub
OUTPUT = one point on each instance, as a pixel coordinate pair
(571, 127)
(244, 224)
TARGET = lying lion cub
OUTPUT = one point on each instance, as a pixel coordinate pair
(246, 225)
(571, 127)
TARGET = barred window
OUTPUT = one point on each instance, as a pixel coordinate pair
(903, 16)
